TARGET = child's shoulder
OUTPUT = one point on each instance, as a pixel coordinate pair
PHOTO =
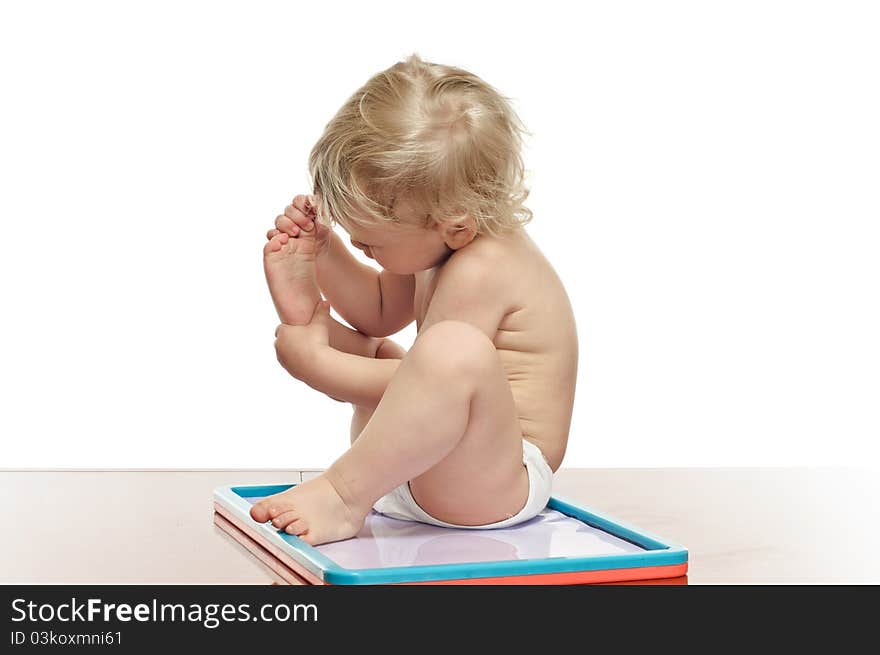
(477, 261)
(486, 253)
(487, 264)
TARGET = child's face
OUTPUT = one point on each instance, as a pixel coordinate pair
(401, 248)
(404, 247)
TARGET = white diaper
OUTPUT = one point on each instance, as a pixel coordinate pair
(400, 504)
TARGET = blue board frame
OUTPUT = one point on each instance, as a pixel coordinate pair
(658, 552)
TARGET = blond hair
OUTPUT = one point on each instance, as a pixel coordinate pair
(435, 134)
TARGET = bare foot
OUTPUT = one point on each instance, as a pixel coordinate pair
(313, 511)
(289, 263)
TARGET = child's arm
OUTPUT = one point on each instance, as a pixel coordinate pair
(305, 351)
(356, 379)
(375, 303)
(350, 378)
(346, 340)
(469, 291)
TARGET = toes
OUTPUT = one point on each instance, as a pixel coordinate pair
(260, 513)
(265, 510)
(284, 519)
(286, 224)
(276, 243)
(297, 527)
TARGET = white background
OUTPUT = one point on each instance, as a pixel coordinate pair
(704, 179)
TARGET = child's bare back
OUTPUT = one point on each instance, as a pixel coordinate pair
(536, 338)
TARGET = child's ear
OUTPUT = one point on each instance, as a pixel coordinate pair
(460, 232)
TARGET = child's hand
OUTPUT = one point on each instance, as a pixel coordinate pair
(296, 346)
(300, 217)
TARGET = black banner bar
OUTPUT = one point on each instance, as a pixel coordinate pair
(138, 618)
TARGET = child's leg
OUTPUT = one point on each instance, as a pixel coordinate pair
(387, 350)
(447, 423)
(346, 340)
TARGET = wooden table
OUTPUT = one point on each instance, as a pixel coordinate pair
(741, 526)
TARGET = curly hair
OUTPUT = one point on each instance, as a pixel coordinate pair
(435, 134)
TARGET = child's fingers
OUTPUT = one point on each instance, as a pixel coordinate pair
(300, 219)
(300, 213)
(283, 223)
(306, 204)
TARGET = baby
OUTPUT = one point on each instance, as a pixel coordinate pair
(422, 168)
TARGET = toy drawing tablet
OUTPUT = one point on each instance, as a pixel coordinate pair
(564, 544)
